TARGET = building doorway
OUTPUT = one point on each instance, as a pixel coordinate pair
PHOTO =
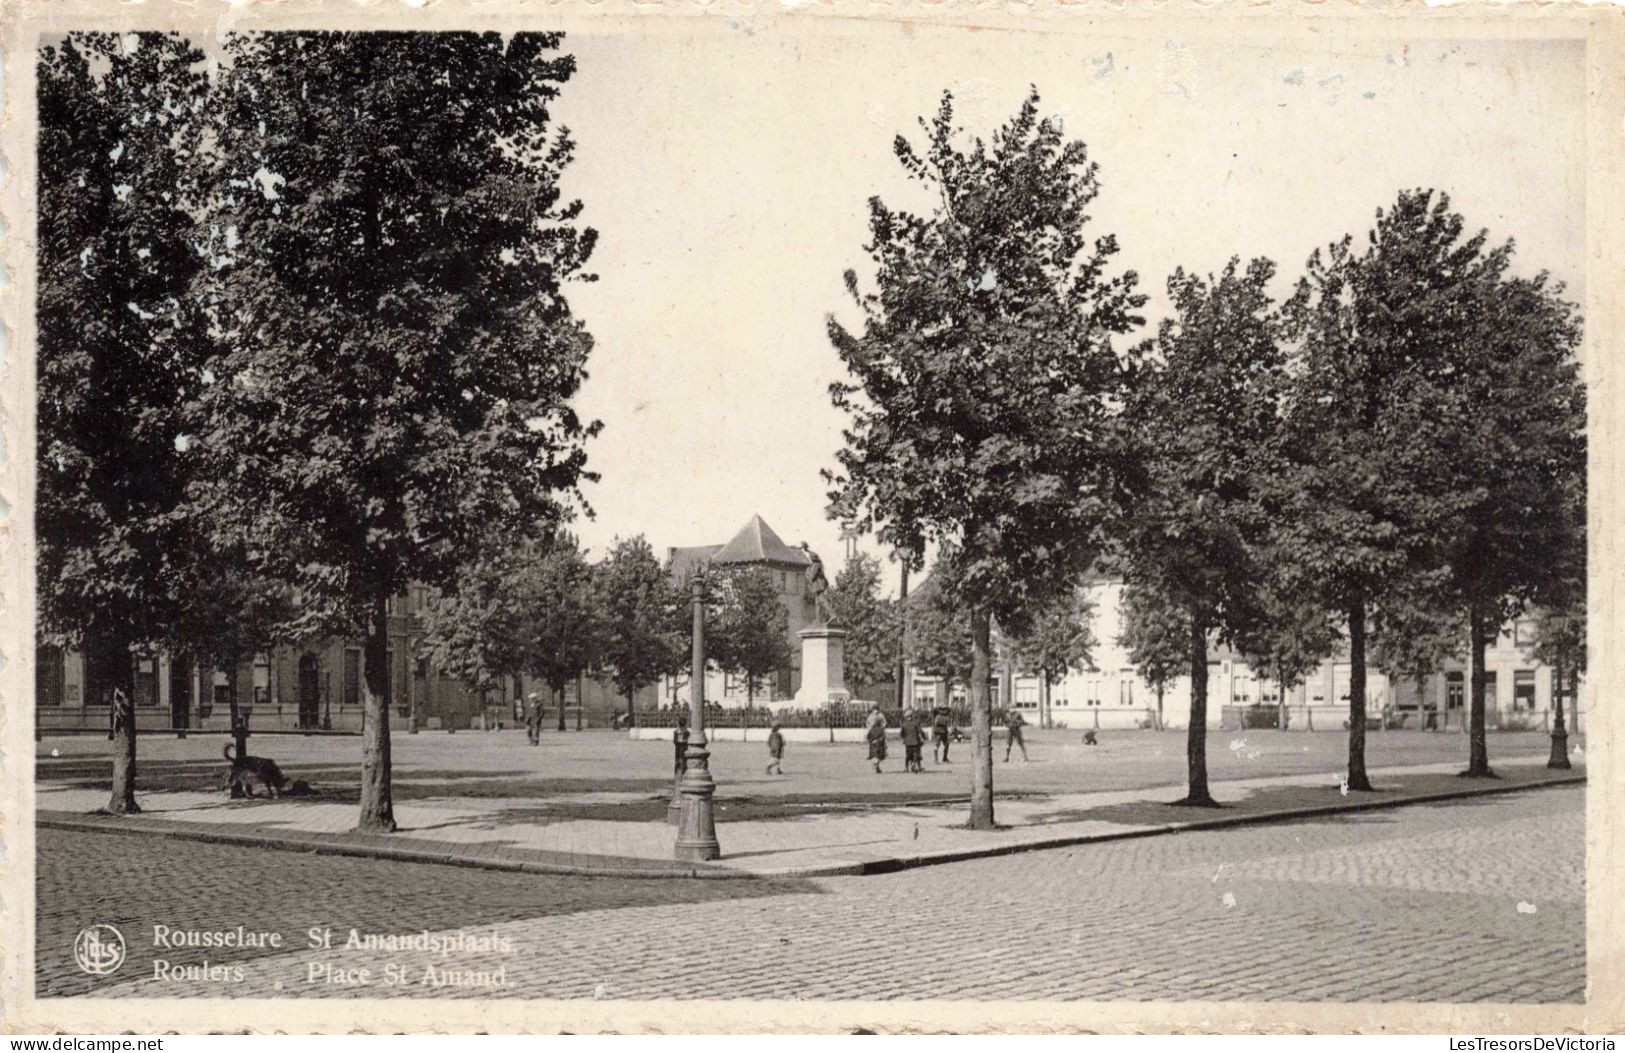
(310, 695)
(1455, 691)
(180, 694)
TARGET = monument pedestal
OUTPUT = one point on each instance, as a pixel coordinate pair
(823, 667)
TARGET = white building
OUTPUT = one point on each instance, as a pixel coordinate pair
(1518, 689)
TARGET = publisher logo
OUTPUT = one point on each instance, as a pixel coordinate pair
(99, 949)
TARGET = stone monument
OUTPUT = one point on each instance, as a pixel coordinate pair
(823, 646)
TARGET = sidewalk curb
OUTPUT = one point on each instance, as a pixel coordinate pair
(52, 820)
(895, 864)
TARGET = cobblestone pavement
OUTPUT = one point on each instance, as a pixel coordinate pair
(1479, 900)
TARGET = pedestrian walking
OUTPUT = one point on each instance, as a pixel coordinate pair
(941, 720)
(775, 749)
(913, 736)
(875, 733)
(1014, 722)
(533, 719)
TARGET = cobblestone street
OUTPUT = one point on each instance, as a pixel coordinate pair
(1477, 900)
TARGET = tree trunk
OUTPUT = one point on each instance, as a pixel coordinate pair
(1478, 754)
(558, 696)
(1358, 780)
(1560, 732)
(1280, 721)
(1044, 717)
(1160, 688)
(981, 799)
(377, 801)
(631, 708)
(1196, 734)
(122, 800)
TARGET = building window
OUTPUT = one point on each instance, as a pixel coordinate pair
(1125, 688)
(262, 679)
(1027, 694)
(48, 676)
(1340, 681)
(352, 677)
(1523, 689)
(146, 681)
(925, 695)
(1490, 694)
(1455, 690)
(1524, 632)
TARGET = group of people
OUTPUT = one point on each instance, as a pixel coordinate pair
(944, 731)
(942, 728)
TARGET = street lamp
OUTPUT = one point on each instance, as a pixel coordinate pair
(696, 826)
(1559, 757)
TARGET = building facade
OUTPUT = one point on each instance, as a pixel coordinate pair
(313, 687)
(1518, 689)
(755, 547)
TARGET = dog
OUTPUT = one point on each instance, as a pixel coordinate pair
(248, 772)
(1089, 739)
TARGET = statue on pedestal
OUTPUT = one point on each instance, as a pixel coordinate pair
(817, 586)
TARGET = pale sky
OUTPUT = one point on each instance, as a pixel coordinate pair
(726, 166)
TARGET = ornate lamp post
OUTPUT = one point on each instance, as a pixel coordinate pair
(696, 826)
(1559, 757)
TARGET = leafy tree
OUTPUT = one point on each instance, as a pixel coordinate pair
(395, 254)
(1411, 641)
(230, 614)
(753, 633)
(640, 643)
(1560, 630)
(985, 391)
(563, 627)
(477, 629)
(1291, 638)
(1157, 637)
(1056, 639)
(120, 347)
(1517, 459)
(872, 622)
(1370, 495)
(938, 642)
(1206, 413)
(1560, 642)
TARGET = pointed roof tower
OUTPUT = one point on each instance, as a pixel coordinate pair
(757, 543)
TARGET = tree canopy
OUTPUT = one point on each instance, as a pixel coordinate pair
(872, 622)
(985, 389)
(641, 603)
(1206, 412)
(394, 256)
(121, 348)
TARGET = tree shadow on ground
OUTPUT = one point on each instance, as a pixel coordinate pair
(1241, 805)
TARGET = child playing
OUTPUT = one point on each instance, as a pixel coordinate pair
(775, 749)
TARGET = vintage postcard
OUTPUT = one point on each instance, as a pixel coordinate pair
(501, 497)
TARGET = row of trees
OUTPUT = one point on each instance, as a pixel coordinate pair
(1395, 444)
(541, 609)
(304, 339)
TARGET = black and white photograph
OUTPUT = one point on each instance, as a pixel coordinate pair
(501, 501)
